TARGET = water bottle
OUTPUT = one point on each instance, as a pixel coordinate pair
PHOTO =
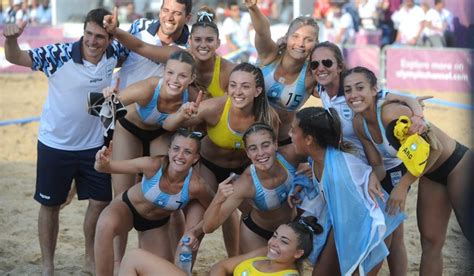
(185, 257)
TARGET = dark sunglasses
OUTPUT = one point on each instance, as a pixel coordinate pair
(313, 65)
(191, 134)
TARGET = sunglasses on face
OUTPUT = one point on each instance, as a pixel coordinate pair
(313, 65)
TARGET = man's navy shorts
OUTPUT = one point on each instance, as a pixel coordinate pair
(56, 169)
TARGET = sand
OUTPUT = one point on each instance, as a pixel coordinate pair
(23, 96)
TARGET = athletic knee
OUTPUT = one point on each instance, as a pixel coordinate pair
(106, 226)
(432, 243)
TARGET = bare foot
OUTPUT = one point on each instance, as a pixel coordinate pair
(88, 268)
(48, 271)
(116, 267)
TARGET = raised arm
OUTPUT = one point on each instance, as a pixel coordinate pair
(193, 113)
(13, 53)
(103, 163)
(267, 49)
(157, 53)
(140, 92)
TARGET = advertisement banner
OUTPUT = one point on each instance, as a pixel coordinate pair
(416, 69)
(367, 56)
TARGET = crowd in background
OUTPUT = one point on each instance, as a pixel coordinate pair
(410, 22)
(35, 12)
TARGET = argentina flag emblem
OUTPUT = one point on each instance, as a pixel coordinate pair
(346, 112)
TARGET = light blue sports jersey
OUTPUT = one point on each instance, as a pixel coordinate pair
(151, 191)
(388, 153)
(270, 199)
(286, 97)
(150, 114)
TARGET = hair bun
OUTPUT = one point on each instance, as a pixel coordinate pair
(312, 223)
(205, 15)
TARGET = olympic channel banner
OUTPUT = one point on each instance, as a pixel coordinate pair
(419, 69)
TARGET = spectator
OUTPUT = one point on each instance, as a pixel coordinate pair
(439, 26)
(367, 10)
(16, 14)
(339, 26)
(409, 20)
(321, 9)
(386, 9)
(266, 6)
(236, 28)
(131, 14)
(40, 12)
(68, 136)
(1, 13)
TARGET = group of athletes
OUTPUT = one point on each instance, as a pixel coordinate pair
(208, 143)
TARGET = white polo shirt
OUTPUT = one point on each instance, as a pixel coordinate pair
(137, 67)
(65, 123)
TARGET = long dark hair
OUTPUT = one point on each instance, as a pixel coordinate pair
(324, 126)
(305, 228)
(262, 110)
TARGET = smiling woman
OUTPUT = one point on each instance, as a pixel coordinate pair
(289, 245)
(288, 81)
(226, 119)
(169, 184)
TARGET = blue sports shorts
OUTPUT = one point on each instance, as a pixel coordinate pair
(56, 169)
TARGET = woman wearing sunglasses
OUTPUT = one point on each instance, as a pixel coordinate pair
(212, 70)
(266, 183)
(284, 66)
(169, 183)
(327, 66)
(443, 185)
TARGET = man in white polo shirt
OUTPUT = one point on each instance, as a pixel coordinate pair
(68, 136)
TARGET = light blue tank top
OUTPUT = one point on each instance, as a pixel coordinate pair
(150, 114)
(270, 199)
(388, 153)
(288, 97)
(151, 191)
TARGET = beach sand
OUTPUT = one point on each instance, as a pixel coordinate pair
(23, 96)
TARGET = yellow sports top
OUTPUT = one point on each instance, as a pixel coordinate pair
(222, 135)
(214, 87)
(246, 268)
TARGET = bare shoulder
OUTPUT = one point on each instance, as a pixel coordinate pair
(227, 66)
(211, 109)
(393, 110)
